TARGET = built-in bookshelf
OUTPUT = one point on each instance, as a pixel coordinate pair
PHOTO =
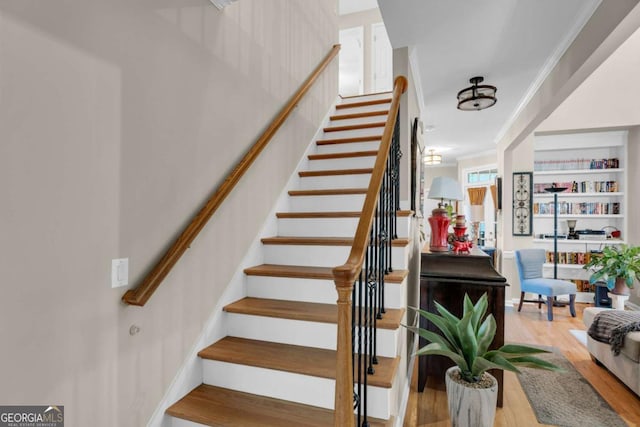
(591, 167)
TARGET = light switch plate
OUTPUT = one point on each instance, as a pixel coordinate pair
(119, 272)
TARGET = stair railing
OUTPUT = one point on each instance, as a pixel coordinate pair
(140, 295)
(361, 279)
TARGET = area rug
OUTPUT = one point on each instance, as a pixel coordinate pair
(565, 398)
(581, 336)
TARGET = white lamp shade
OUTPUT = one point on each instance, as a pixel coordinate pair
(477, 213)
(443, 187)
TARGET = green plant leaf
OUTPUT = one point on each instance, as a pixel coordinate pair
(435, 349)
(479, 311)
(535, 362)
(467, 337)
(508, 350)
(432, 337)
(446, 314)
(481, 365)
(486, 333)
(448, 330)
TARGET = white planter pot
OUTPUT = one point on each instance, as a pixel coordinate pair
(471, 407)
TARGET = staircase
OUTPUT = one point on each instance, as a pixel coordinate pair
(277, 366)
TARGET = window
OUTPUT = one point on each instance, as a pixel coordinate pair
(485, 176)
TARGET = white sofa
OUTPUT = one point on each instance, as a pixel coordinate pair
(625, 366)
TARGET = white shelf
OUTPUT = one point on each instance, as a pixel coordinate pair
(563, 195)
(578, 171)
(571, 266)
(594, 216)
(581, 242)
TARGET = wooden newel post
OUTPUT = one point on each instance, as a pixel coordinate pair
(343, 416)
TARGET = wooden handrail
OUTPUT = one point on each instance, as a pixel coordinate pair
(150, 283)
(345, 275)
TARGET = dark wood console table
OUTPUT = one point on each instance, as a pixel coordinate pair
(445, 277)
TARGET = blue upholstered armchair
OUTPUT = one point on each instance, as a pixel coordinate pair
(529, 262)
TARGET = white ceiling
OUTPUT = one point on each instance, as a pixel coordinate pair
(512, 43)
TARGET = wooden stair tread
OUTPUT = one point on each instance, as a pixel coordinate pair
(355, 127)
(363, 103)
(359, 115)
(307, 272)
(347, 155)
(332, 172)
(334, 214)
(321, 241)
(328, 192)
(308, 311)
(349, 140)
(315, 362)
(221, 407)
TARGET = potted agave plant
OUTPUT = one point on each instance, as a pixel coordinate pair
(617, 266)
(472, 391)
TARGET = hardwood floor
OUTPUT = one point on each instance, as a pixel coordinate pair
(531, 326)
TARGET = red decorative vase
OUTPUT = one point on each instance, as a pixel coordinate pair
(439, 222)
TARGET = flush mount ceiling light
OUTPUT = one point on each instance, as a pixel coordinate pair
(432, 159)
(476, 97)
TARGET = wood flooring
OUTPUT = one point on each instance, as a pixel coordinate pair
(531, 326)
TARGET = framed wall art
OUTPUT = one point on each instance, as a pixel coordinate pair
(522, 203)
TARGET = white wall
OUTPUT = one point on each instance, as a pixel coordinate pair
(118, 120)
(365, 19)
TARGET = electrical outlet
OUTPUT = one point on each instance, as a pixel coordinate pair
(119, 272)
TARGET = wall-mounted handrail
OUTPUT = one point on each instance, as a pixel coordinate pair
(141, 294)
(345, 275)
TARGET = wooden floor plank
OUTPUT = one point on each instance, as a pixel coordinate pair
(307, 311)
(220, 407)
(316, 362)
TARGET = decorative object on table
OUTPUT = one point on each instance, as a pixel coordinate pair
(611, 232)
(522, 203)
(459, 240)
(477, 97)
(571, 224)
(442, 188)
(554, 189)
(472, 392)
(617, 266)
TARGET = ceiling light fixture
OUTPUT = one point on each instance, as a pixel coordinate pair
(432, 158)
(477, 97)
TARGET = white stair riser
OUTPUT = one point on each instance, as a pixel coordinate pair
(302, 332)
(322, 256)
(179, 422)
(347, 202)
(347, 147)
(342, 163)
(312, 290)
(327, 227)
(360, 180)
(359, 120)
(299, 388)
(377, 131)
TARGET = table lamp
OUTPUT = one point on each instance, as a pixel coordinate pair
(442, 188)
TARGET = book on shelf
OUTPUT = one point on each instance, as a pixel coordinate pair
(575, 164)
(577, 208)
(579, 187)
